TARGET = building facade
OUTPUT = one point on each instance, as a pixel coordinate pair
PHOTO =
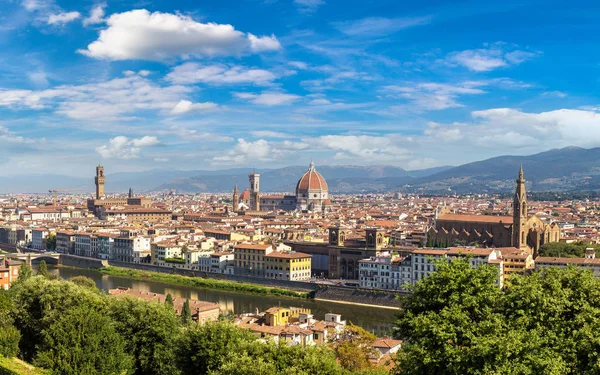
(519, 230)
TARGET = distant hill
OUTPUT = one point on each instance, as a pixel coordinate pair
(340, 178)
(570, 169)
(566, 169)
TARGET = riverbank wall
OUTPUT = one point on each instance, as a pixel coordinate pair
(297, 286)
(81, 262)
(357, 296)
(321, 292)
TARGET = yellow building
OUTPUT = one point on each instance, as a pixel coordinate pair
(516, 261)
(277, 316)
(288, 266)
(249, 259)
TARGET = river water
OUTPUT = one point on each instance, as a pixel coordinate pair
(376, 320)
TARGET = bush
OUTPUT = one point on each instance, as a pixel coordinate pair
(9, 341)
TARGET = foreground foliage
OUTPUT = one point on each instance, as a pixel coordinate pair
(458, 321)
(72, 328)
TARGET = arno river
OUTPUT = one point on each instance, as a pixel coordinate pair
(376, 320)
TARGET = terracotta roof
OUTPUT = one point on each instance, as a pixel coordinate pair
(476, 218)
(311, 180)
(385, 342)
(288, 255)
(552, 260)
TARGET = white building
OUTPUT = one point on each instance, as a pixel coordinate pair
(38, 238)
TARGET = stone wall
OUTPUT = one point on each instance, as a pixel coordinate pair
(356, 295)
(82, 262)
(291, 285)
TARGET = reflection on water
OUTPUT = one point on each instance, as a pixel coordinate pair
(378, 321)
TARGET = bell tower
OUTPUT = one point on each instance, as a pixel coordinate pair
(520, 213)
(236, 198)
(254, 187)
(99, 182)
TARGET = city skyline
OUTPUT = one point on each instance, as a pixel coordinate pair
(162, 85)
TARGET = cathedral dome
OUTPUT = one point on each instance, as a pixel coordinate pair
(311, 181)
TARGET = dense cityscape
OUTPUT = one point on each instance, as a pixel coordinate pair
(299, 187)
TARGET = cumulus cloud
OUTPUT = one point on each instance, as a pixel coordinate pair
(218, 74)
(260, 150)
(263, 43)
(379, 26)
(267, 98)
(96, 15)
(363, 147)
(116, 99)
(185, 106)
(139, 34)
(122, 147)
(492, 57)
(63, 18)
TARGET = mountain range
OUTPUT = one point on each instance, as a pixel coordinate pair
(568, 169)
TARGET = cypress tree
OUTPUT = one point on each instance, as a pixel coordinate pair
(169, 301)
(43, 270)
(186, 313)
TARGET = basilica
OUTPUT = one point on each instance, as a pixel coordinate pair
(519, 230)
(312, 194)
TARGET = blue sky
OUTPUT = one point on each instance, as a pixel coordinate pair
(140, 85)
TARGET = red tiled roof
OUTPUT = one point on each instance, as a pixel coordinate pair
(476, 218)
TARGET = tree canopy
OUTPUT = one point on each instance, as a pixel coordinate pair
(457, 321)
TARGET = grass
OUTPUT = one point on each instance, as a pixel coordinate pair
(14, 366)
(202, 282)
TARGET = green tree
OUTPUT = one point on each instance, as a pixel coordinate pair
(84, 281)
(354, 348)
(457, 321)
(9, 335)
(25, 272)
(202, 349)
(51, 241)
(169, 301)
(270, 358)
(43, 270)
(39, 302)
(444, 313)
(83, 341)
(151, 331)
(186, 313)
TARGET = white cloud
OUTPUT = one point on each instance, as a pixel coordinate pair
(269, 134)
(185, 106)
(264, 43)
(433, 96)
(268, 98)
(379, 26)
(139, 34)
(146, 141)
(96, 15)
(63, 18)
(308, 6)
(116, 99)
(495, 56)
(363, 147)
(122, 147)
(260, 150)
(36, 5)
(219, 74)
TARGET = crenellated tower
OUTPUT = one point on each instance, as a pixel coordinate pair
(99, 180)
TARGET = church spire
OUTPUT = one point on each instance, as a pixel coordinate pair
(520, 212)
